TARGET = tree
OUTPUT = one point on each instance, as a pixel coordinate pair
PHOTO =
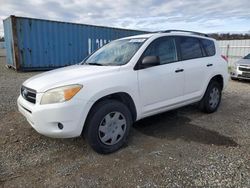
(228, 36)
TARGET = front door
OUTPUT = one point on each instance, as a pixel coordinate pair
(161, 86)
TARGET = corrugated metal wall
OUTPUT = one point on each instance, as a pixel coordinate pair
(42, 44)
(8, 39)
(234, 49)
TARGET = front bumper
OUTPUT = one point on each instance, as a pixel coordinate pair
(238, 74)
(45, 118)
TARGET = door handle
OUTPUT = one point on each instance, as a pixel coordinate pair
(179, 70)
(209, 65)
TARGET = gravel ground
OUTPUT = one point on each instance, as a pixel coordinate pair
(181, 148)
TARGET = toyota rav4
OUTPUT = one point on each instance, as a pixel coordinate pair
(124, 81)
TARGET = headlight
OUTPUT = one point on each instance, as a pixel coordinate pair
(60, 94)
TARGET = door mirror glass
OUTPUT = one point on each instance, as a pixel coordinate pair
(150, 61)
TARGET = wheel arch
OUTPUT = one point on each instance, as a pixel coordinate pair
(123, 97)
(218, 78)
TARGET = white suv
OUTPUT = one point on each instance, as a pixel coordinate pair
(122, 82)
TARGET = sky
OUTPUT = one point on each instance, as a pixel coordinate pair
(150, 15)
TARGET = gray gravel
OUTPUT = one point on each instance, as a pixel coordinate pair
(2, 52)
(181, 148)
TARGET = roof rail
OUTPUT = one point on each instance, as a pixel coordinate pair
(185, 31)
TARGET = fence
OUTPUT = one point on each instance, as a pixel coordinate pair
(234, 49)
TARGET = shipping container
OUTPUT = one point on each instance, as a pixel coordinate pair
(36, 44)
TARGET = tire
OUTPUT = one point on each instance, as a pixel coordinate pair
(107, 126)
(212, 98)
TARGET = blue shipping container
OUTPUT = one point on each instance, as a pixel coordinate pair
(35, 44)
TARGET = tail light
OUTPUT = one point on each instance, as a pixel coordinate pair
(225, 58)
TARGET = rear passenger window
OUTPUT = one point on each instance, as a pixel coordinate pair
(190, 48)
(164, 48)
(208, 46)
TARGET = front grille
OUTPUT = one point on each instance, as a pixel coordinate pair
(244, 69)
(28, 94)
(246, 74)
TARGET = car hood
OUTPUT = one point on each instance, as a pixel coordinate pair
(65, 76)
(243, 62)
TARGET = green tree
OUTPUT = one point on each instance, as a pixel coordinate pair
(228, 36)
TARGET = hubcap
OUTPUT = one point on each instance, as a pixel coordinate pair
(112, 128)
(214, 97)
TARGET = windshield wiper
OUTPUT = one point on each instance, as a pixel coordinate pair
(98, 64)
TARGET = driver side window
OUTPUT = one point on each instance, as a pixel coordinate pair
(164, 48)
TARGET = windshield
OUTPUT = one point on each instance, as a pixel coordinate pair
(247, 57)
(118, 52)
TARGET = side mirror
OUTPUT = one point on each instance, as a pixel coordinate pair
(149, 61)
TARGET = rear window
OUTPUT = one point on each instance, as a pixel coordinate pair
(208, 46)
(190, 48)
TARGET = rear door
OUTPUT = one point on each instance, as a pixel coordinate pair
(196, 66)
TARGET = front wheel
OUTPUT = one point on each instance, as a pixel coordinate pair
(212, 98)
(108, 126)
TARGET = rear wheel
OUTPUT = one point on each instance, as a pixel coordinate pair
(108, 126)
(212, 98)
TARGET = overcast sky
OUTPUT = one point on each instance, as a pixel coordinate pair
(204, 15)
